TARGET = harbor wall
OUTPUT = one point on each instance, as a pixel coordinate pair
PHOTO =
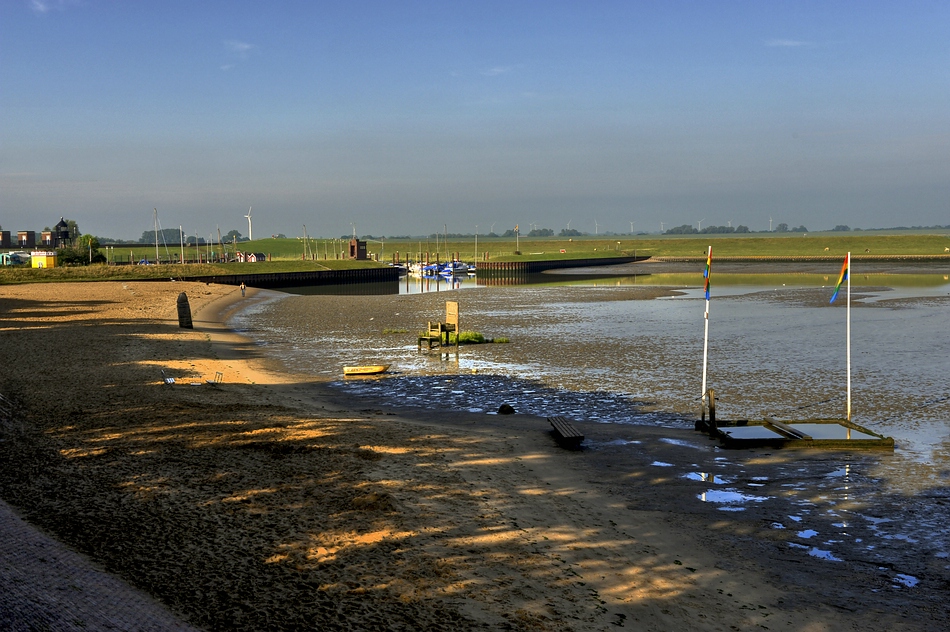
(505, 268)
(278, 280)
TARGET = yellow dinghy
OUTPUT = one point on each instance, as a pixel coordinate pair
(369, 369)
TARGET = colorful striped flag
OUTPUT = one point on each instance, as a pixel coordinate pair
(706, 271)
(842, 277)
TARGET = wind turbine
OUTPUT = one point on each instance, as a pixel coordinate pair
(631, 228)
(700, 224)
(661, 226)
(250, 230)
(491, 231)
(770, 223)
(596, 226)
(569, 224)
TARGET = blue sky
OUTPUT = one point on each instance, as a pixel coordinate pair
(402, 117)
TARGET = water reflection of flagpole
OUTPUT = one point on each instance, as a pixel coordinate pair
(706, 325)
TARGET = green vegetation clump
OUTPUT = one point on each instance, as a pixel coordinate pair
(467, 338)
(395, 331)
(501, 340)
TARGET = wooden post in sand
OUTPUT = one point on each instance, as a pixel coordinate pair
(184, 312)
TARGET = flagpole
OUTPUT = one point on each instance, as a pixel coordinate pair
(706, 327)
(849, 337)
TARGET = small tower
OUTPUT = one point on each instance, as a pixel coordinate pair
(61, 234)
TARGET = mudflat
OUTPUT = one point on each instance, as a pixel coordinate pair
(268, 501)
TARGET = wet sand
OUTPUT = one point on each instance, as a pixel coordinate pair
(273, 502)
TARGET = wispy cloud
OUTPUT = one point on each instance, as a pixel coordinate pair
(241, 49)
(236, 50)
(42, 7)
(497, 70)
(788, 43)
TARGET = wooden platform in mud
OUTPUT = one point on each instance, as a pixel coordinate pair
(819, 434)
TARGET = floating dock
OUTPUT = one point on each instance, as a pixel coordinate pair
(819, 434)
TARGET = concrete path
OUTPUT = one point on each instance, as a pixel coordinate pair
(46, 586)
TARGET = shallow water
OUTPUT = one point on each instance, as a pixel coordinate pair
(604, 350)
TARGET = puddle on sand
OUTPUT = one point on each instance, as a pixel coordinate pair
(680, 442)
(620, 442)
(729, 499)
(706, 477)
(906, 580)
(816, 552)
(661, 464)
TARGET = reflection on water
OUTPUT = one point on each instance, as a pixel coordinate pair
(730, 499)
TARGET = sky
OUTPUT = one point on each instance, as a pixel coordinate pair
(413, 117)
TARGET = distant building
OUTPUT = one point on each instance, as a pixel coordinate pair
(250, 257)
(43, 259)
(12, 258)
(5, 239)
(60, 236)
(357, 249)
(26, 239)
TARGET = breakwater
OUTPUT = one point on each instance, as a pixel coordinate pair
(519, 272)
(277, 280)
(534, 267)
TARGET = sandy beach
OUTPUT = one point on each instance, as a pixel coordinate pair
(271, 502)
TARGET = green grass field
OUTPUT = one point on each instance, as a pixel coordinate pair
(288, 254)
(756, 244)
(753, 244)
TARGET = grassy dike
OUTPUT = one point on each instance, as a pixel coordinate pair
(287, 254)
(530, 248)
(103, 272)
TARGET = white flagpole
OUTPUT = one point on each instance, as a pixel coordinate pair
(706, 332)
(849, 337)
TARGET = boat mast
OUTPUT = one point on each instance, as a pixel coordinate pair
(155, 221)
(706, 325)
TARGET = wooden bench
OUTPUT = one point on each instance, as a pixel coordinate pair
(565, 434)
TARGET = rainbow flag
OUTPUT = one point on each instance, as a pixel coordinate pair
(842, 277)
(706, 271)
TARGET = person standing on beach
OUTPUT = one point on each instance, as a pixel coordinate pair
(243, 288)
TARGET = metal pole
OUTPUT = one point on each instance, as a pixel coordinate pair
(706, 326)
(849, 337)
